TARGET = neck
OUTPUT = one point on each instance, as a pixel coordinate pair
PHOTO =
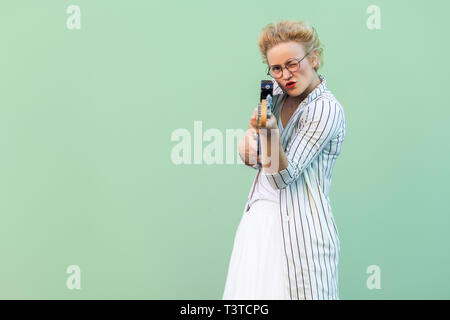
(296, 100)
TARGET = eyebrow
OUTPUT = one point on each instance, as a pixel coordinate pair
(273, 65)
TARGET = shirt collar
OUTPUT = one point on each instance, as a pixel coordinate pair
(317, 91)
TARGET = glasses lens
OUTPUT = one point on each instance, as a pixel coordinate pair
(293, 66)
(275, 72)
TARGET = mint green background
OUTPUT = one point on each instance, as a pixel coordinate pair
(86, 118)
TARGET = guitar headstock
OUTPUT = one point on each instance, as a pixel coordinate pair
(265, 103)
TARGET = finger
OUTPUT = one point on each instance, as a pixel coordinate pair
(253, 123)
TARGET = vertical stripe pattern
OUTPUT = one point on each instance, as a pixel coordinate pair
(312, 141)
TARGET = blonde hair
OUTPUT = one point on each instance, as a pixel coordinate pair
(291, 30)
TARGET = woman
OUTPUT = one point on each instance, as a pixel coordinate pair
(287, 243)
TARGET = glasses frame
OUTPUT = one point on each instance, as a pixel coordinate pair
(285, 66)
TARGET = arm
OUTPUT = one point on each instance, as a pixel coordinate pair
(247, 146)
(323, 119)
(247, 149)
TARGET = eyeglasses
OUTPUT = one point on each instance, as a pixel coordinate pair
(292, 65)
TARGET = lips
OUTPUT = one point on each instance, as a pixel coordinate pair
(290, 84)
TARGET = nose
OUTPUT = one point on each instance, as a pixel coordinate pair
(290, 74)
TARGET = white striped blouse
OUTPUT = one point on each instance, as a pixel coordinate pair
(312, 141)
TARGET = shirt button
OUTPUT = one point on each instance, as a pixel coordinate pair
(285, 217)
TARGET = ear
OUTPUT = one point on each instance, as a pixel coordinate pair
(314, 60)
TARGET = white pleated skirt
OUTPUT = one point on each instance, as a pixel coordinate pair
(257, 270)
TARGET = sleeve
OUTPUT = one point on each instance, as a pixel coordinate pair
(322, 121)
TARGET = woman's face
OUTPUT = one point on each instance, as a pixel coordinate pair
(304, 76)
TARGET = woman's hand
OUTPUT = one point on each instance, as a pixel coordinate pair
(271, 124)
(248, 145)
(248, 148)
